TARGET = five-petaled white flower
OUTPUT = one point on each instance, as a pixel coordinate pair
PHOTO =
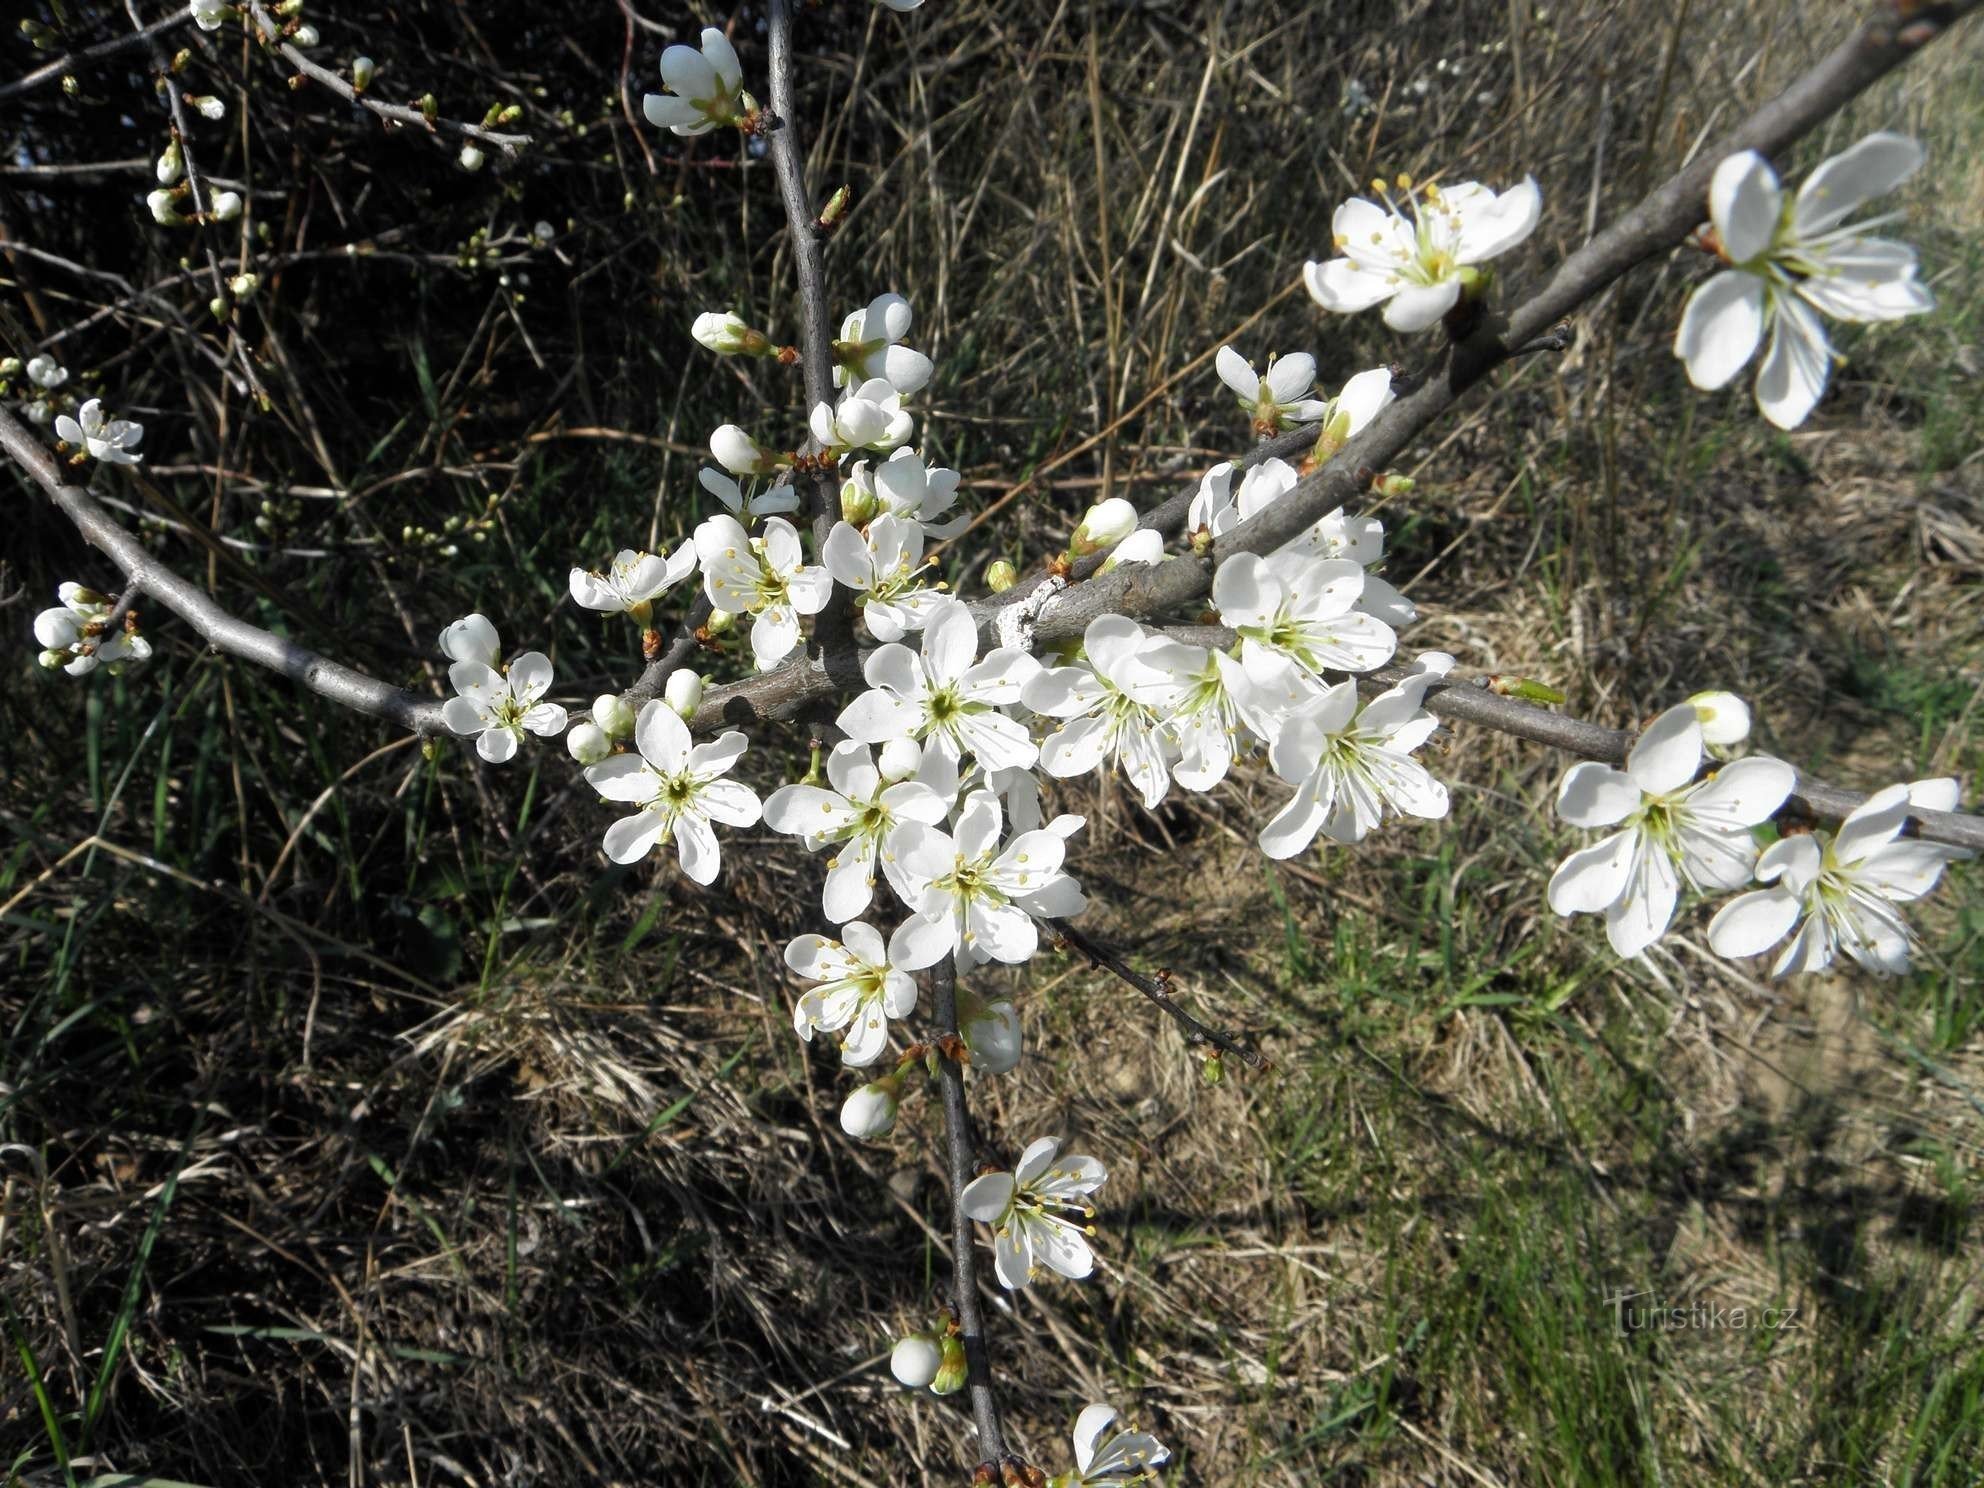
(766, 503)
(972, 898)
(906, 487)
(1415, 257)
(1789, 261)
(1106, 1458)
(1297, 617)
(1116, 706)
(1673, 829)
(764, 576)
(1846, 887)
(1352, 766)
(869, 417)
(856, 816)
(1277, 400)
(860, 991)
(679, 787)
(72, 637)
(1218, 710)
(943, 697)
(870, 347)
(1028, 1208)
(113, 441)
(498, 707)
(882, 565)
(704, 89)
(633, 581)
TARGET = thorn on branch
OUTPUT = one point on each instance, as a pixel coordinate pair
(1557, 338)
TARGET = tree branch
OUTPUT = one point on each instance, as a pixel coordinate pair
(69, 62)
(1158, 990)
(393, 113)
(964, 1257)
(224, 632)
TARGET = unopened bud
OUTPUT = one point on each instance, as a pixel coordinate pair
(509, 113)
(950, 1375)
(171, 164)
(165, 208)
(614, 715)
(1391, 483)
(858, 502)
(1000, 576)
(899, 759)
(218, 307)
(470, 158)
(1214, 1070)
(915, 1359)
(1106, 524)
(835, 209)
(180, 58)
(429, 106)
(305, 36)
(683, 692)
(870, 1112)
(587, 743)
(225, 205)
(70, 87)
(53, 659)
(739, 453)
(720, 622)
(727, 334)
(206, 106)
(243, 285)
(363, 69)
(1526, 688)
(1724, 717)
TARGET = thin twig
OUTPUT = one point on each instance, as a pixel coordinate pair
(964, 1258)
(1158, 990)
(69, 62)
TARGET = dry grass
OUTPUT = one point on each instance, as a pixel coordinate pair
(464, 1163)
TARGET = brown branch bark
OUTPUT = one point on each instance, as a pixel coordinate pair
(1157, 989)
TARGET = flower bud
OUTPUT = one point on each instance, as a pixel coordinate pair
(53, 659)
(226, 205)
(1107, 523)
(362, 71)
(429, 106)
(206, 106)
(165, 209)
(915, 1359)
(720, 622)
(950, 1374)
(218, 307)
(738, 452)
(587, 743)
(1725, 718)
(171, 164)
(900, 759)
(1391, 483)
(305, 36)
(991, 1030)
(684, 691)
(1000, 576)
(470, 158)
(858, 503)
(726, 334)
(614, 715)
(243, 285)
(870, 1112)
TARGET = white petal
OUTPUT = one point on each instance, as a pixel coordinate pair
(1235, 371)
(1593, 878)
(632, 838)
(1668, 753)
(985, 1198)
(1873, 167)
(1595, 795)
(1720, 328)
(662, 737)
(1795, 369)
(1417, 307)
(1744, 202)
(1751, 924)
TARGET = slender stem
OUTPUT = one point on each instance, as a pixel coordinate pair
(1158, 990)
(964, 1258)
(67, 63)
(833, 627)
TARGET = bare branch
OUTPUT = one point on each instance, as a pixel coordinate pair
(1158, 990)
(68, 63)
(393, 113)
(964, 1258)
(224, 632)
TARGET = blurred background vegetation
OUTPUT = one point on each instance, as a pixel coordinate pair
(362, 1126)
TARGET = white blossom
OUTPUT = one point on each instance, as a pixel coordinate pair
(1845, 887)
(1145, 545)
(740, 454)
(1113, 707)
(45, 372)
(1029, 1210)
(633, 581)
(763, 576)
(973, 898)
(942, 696)
(680, 790)
(1297, 618)
(1673, 829)
(870, 347)
(1106, 1458)
(225, 206)
(990, 1030)
(869, 1112)
(500, 707)
(702, 89)
(1104, 525)
(855, 817)
(1788, 262)
(869, 417)
(164, 208)
(1277, 400)
(860, 990)
(727, 333)
(206, 106)
(773, 501)
(209, 14)
(113, 441)
(72, 634)
(905, 487)
(472, 638)
(881, 565)
(587, 742)
(1218, 710)
(471, 158)
(1724, 717)
(1352, 766)
(1415, 256)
